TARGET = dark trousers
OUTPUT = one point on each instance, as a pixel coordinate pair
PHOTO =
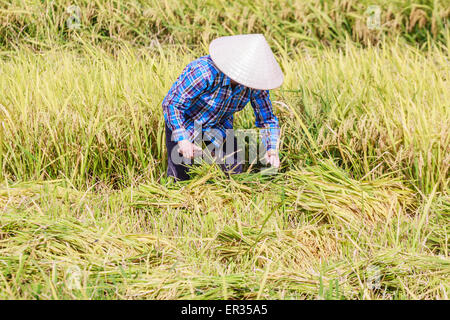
(180, 171)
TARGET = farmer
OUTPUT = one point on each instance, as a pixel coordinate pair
(202, 101)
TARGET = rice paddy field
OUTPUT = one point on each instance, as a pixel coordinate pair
(360, 208)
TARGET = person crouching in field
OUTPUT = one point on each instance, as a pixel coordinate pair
(200, 104)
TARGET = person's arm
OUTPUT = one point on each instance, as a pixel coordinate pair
(193, 81)
(266, 119)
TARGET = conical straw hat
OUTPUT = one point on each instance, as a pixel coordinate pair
(248, 60)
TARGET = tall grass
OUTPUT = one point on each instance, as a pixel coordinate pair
(361, 201)
(91, 116)
(41, 24)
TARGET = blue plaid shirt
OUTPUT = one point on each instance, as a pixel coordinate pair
(202, 93)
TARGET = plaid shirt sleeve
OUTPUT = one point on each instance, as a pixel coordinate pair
(265, 118)
(194, 80)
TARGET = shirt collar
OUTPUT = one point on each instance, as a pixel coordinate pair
(226, 80)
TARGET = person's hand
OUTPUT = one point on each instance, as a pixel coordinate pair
(272, 157)
(188, 149)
